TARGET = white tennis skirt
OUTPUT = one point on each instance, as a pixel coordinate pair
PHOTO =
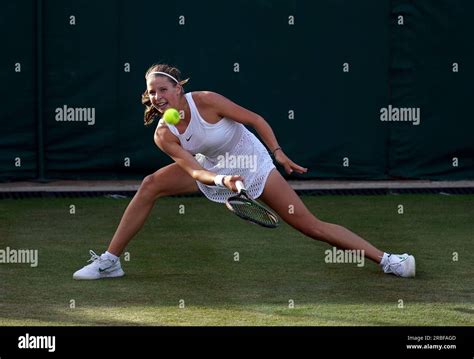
(249, 159)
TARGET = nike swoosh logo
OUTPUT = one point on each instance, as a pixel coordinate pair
(189, 138)
(103, 270)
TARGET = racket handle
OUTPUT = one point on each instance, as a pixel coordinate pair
(240, 186)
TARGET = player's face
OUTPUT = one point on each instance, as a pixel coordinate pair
(163, 92)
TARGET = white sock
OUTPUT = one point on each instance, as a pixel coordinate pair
(384, 259)
(110, 256)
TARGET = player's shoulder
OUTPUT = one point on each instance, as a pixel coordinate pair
(163, 133)
(206, 98)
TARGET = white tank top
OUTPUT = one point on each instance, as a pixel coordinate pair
(210, 140)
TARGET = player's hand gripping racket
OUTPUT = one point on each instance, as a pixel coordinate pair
(249, 209)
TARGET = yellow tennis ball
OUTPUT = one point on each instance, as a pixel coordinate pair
(171, 116)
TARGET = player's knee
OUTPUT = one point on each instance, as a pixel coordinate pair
(150, 187)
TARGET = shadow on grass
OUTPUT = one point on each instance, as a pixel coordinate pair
(464, 310)
(326, 294)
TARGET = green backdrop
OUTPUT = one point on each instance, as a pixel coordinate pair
(334, 68)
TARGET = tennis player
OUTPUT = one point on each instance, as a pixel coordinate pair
(212, 128)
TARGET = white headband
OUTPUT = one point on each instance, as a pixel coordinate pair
(163, 73)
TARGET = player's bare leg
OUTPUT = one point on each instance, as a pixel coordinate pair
(169, 180)
(279, 196)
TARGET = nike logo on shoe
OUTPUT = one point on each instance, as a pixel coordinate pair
(99, 268)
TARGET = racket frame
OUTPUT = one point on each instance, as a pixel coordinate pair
(243, 196)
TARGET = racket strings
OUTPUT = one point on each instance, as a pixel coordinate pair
(253, 212)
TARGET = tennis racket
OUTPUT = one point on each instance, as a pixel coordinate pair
(249, 209)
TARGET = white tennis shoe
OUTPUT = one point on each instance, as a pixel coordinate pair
(402, 265)
(101, 267)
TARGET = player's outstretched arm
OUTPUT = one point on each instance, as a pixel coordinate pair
(169, 144)
(228, 109)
